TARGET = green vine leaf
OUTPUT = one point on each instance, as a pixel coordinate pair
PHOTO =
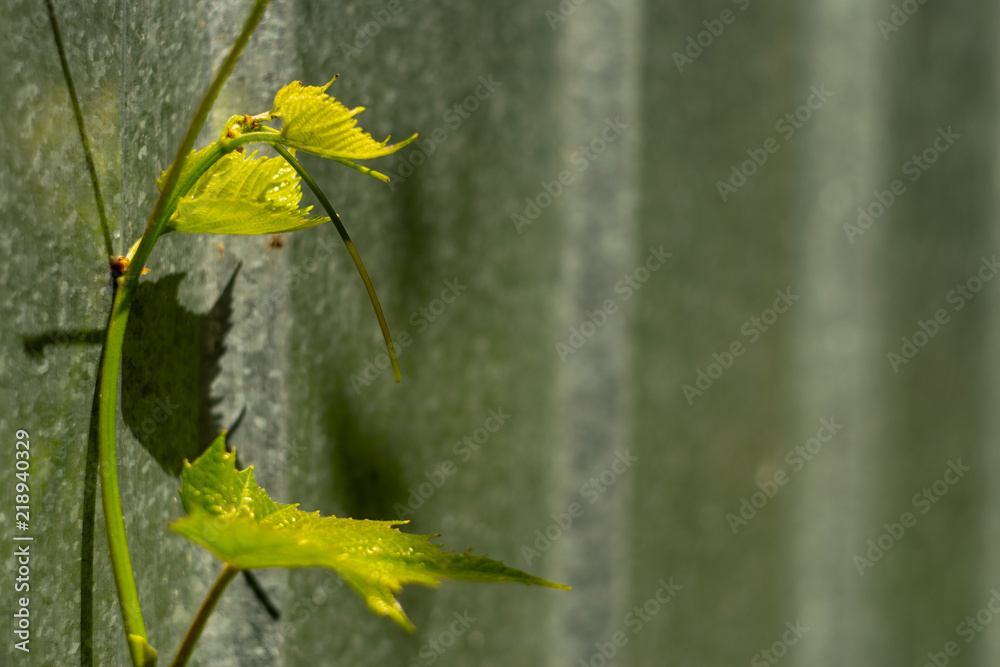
(231, 516)
(244, 195)
(316, 123)
(193, 158)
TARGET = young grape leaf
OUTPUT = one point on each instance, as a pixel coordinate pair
(192, 159)
(243, 195)
(316, 123)
(236, 520)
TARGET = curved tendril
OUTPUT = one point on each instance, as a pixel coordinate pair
(325, 203)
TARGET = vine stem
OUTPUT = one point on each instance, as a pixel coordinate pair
(198, 624)
(142, 653)
(88, 155)
(325, 203)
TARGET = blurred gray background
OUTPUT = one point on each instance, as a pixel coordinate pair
(775, 446)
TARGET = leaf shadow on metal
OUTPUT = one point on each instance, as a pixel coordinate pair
(171, 358)
(368, 479)
(34, 346)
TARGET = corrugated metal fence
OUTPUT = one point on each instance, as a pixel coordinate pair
(723, 271)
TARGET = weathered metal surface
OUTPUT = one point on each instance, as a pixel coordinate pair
(613, 365)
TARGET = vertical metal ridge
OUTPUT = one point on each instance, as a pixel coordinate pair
(988, 651)
(835, 346)
(599, 52)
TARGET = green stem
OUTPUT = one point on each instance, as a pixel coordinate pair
(161, 212)
(143, 655)
(114, 521)
(121, 564)
(272, 137)
(88, 156)
(198, 624)
(325, 203)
